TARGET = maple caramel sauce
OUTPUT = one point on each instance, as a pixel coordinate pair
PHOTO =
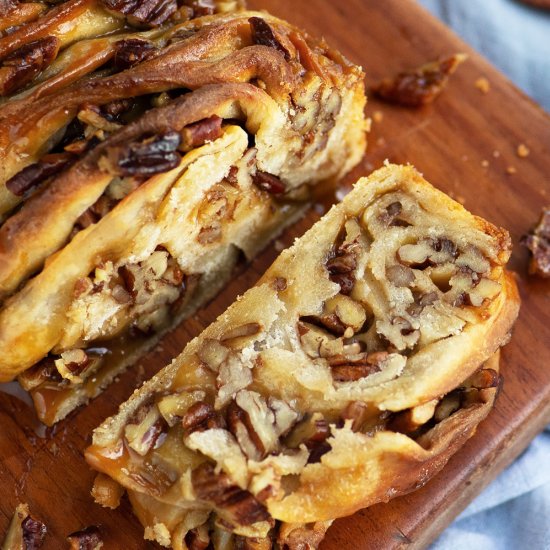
(50, 397)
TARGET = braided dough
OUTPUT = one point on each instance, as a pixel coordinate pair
(359, 363)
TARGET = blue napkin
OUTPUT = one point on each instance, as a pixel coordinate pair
(514, 511)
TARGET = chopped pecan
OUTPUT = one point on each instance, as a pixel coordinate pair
(43, 371)
(483, 379)
(201, 132)
(146, 430)
(37, 173)
(400, 276)
(232, 501)
(131, 51)
(21, 66)
(86, 539)
(92, 116)
(390, 215)
(419, 86)
(427, 252)
(253, 543)
(200, 417)
(363, 366)
(269, 183)
(411, 419)
(538, 243)
(341, 266)
(151, 13)
(241, 427)
(343, 312)
(34, 532)
(241, 331)
(312, 431)
(147, 158)
(359, 413)
(197, 539)
(201, 7)
(263, 35)
(24, 531)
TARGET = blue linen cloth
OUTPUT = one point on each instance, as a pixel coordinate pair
(514, 511)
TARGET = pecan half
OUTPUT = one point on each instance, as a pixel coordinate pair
(131, 51)
(538, 243)
(37, 173)
(150, 13)
(232, 501)
(263, 35)
(200, 417)
(86, 539)
(268, 182)
(21, 66)
(201, 132)
(419, 86)
(147, 158)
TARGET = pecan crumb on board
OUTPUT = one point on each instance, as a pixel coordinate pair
(419, 86)
(538, 242)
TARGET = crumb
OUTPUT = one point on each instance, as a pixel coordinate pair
(511, 170)
(381, 141)
(522, 150)
(485, 163)
(279, 245)
(496, 154)
(54, 448)
(464, 158)
(378, 116)
(483, 85)
(419, 86)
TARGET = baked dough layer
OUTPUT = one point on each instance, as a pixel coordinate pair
(359, 363)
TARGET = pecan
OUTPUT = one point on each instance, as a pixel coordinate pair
(483, 379)
(263, 35)
(86, 539)
(131, 51)
(419, 86)
(201, 7)
(151, 13)
(313, 432)
(428, 252)
(268, 182)
(151, 156)
(37, 173)
(201, 132)
(241, 427)
(95, 119)
(341, 266)
(348, 369)
(241, 331)
(34, 532)
(197, 539)
(359, 413)
(146, 430)
(400, 275)
(21, 66)
(43, 371)
(200, 417)
(232, 501)
(390, 215)
(279, 284)
(538, 243)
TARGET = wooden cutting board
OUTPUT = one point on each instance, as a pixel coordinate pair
(464, 144)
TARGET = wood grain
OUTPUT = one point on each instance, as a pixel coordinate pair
(463, 143)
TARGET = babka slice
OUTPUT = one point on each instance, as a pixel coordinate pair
(360, 362)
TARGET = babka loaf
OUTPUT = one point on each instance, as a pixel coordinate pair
(360, 362)
(128, 195)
